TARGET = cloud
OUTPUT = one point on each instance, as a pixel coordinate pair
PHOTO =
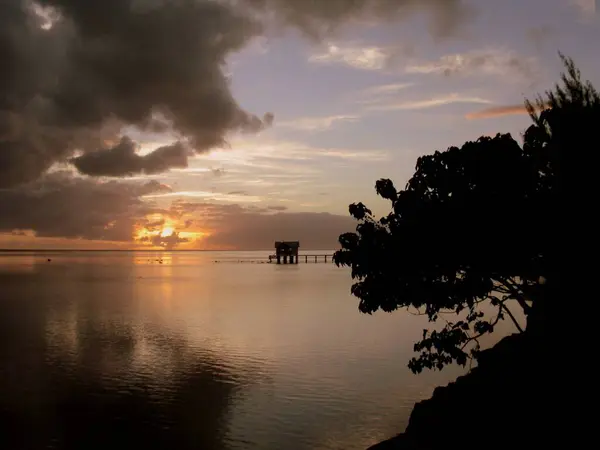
(193, 170)
(216, 172)
(168, 242)
(122, 160)
(296, 151)
(499, 111)
(491, 62)
(245, 227)
(79, 71)
(376, 95)
(59, 205)
(385, 89)
(115, 63)
(587, 8)
(319, 18)
(156, 225)
(317, 123)
(498, 62)
(284, 160)
(236, 227)
(152, 187)
(217, 196)
(365, 156)
(361, 56)
(366, 58)
(426, 103)
(116, 211)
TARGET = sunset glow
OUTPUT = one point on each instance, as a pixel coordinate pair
(167, 231)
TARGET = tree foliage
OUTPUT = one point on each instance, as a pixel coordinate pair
(473, 225)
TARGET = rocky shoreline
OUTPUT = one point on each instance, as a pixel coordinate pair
(498, 404)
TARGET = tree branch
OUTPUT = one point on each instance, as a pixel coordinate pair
(517, 296)
(501, 290)
(419, 313)
(505, 308)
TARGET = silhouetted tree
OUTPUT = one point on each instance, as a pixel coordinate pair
(473, 225)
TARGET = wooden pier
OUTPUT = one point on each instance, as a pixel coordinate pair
(288, 251)
(306, 258)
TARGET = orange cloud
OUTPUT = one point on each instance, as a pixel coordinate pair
(499, 111)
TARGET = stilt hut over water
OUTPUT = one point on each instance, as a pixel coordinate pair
(288, 251)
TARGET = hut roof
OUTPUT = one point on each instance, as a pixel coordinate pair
(288, 244)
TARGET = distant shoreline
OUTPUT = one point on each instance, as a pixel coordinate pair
(33, 250)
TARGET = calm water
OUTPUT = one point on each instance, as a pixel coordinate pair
(105, 349)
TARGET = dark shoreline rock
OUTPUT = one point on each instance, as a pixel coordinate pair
(499, 404)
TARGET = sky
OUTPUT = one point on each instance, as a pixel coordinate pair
(230, 124)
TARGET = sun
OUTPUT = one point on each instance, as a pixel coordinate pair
(167, 231)
(163, 229)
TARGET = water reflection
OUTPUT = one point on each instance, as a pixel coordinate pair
(105, 349)
(82, 369)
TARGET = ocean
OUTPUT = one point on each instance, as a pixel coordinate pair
(198, 350)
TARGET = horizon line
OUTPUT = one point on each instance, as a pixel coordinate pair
(138, 250)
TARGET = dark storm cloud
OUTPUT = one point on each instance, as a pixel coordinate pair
(58, 205)
(74, 72)
(153, 187)
(122, 160)
(119, 62)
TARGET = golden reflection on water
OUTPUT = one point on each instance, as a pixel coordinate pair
(166, 283)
